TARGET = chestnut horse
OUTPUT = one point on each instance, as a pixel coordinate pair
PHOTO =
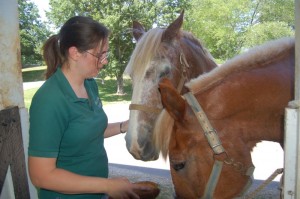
(241, 103)
(160, 52)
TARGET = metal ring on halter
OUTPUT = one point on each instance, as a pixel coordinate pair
(239, 166)
(221, 156)
(229, 161)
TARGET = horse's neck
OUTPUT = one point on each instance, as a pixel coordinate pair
(195, 66)
(197, 59)
(252, 110)
(208, 65)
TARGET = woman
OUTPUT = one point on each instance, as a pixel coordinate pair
(67, 158)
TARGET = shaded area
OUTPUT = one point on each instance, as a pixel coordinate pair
(33, 74)
(163, 178)
(108, 90)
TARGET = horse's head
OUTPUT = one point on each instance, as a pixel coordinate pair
(160, 52)
(215, 128)
(192, 157)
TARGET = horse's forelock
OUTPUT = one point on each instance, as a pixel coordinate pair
(144, 51)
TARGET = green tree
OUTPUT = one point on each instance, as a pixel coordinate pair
(117, 15)
(276, 11)
(169, 10)
(273, 19)
(227, 27)
(33, 32)
(263, 32)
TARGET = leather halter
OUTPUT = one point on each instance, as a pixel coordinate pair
(148, 109)
(144, 108)
(216, 145)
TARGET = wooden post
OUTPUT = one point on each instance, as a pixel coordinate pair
(292, 126)
(11, 95)
(12, 152)
(297, 93)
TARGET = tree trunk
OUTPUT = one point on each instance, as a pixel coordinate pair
(120, 84)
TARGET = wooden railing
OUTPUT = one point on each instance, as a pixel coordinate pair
(12, 152)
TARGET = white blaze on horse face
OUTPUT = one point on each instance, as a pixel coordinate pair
(141, 124)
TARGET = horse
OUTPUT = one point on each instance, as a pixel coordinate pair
(226, 112)
(160, 52)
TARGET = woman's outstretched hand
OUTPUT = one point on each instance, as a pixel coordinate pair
(121, 188)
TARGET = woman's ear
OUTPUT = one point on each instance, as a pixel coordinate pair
(74, 54)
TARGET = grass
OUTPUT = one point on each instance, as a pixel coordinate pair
(107, 88)
(28, 94)
(33, 74)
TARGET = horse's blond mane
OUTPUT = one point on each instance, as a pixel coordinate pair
(254, 57)
(145, 48)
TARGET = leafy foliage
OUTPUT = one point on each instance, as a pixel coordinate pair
(117, 15)
(228, 27)
(263, 32)
(33, 32)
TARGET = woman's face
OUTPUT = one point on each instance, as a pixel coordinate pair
(94, 60)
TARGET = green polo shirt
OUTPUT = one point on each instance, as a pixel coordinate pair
(70, 129)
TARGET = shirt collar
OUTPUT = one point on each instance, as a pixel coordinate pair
(66, 87)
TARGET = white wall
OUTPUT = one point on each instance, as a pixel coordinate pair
(11, 87)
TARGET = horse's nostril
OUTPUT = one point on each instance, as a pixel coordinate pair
(178, 166)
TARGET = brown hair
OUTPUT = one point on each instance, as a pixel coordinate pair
(84, 33)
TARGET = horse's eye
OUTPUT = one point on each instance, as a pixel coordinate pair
(165, 73)
(178, 166)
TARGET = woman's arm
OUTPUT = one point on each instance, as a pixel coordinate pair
(44, 174)
(116, 128)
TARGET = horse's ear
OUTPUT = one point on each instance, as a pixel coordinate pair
(138, 30)
(173, 29)
(172, 100)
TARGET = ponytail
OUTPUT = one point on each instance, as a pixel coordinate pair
(51, 54)
(84, 33)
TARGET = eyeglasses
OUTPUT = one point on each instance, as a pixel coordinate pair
(100, 58)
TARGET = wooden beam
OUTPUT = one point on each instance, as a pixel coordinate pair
(12, 152)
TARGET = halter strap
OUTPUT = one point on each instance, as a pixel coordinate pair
(144, 108)
(209, 131)
(215, 143)
(213, 180)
